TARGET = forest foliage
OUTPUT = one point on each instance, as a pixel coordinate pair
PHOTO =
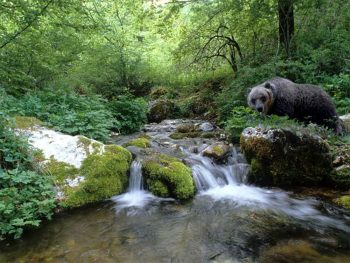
(90, 67)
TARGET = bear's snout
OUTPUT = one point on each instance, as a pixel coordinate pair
(259, 109)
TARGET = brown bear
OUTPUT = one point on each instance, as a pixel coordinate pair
(304, 102)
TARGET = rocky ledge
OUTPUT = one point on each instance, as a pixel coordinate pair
(285, 158)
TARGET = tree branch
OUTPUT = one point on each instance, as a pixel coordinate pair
(18, 33)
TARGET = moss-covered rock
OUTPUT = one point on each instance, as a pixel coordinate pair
(160, 110)
(168, 177)
(217, 151)
(206, 135)
(187, 127)
(140, 142)
(341, 161)
(283, 158)
(104, 174)
(60, 170)
(344, 201)
(182, 135)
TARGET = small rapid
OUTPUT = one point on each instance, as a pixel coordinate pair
(227, 183)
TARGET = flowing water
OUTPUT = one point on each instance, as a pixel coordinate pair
(227, 221)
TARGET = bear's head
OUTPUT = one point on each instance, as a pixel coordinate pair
(261, 97)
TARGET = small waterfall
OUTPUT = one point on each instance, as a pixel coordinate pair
(227, 182)
(136, 197)
(135, 181)
(208, 175)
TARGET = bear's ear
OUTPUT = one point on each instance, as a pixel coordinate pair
(248, 91)
(271, 87)
(268, 85)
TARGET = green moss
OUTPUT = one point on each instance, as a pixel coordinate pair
(344, 201)
(287, 159)
(139, 142)
(168, 177)
(341, 178)
(158, 92)
(340, 149)
(105, 175)
(218, 150)
(158, 188)
(23, 122)
(60, 170)
(38, 155)
(186, 128)
(209, 135)
(89, 144)
(180, 135)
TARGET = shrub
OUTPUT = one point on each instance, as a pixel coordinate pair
(25, 198)
(130, 113)
(70, 113)
(338, 87)
(241, 118)
(14, 150)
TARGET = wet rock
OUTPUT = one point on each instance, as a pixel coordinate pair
(284, 158)
(290, 252)
(206, 127)
(217, 151)
(182, 135)
(160, 110)
(194, 149)
(341, 176)
(167, 176)
(185, 128)
(346, 121)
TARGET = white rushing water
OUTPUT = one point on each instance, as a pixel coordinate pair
(136, 197)
(227, 183)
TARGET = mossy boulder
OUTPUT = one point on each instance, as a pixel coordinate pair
(168, 177)
(140, 142)
(343, 201)
(160, 110)
(104, 175)
(283, 158)
(187, 127)
(217, 151)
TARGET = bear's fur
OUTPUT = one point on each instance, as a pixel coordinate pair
(304, 102)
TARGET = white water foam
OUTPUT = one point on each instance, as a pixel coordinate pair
(226, 183)
(136, 198)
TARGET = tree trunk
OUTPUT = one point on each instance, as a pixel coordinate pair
(286, 24)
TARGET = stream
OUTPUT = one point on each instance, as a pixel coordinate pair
(227, 221)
